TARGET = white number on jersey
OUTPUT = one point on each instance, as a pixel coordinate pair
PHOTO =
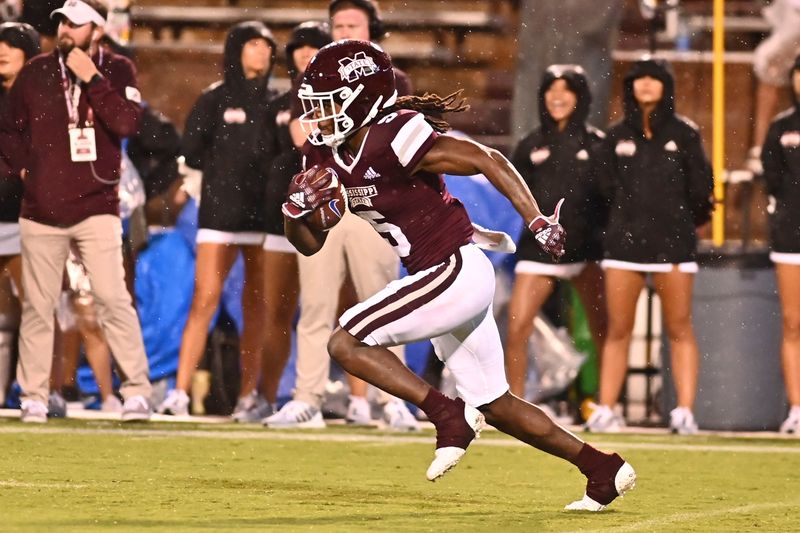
(390, 233)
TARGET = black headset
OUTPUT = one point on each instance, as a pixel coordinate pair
(377, 30)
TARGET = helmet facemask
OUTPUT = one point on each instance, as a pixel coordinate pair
(332, 106)
(319, 107)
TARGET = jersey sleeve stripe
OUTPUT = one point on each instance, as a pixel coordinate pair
(410, 139)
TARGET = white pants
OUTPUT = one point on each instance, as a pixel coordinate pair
(450, 304)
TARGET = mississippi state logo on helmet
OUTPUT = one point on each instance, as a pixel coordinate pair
(344, 87)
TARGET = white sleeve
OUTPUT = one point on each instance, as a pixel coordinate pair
(410, 139)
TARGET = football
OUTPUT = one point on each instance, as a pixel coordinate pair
(328, 214)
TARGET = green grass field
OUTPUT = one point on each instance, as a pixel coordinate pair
(93, 476)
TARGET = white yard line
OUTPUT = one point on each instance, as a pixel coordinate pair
(655, 524)
(14, 484)
(330, 436)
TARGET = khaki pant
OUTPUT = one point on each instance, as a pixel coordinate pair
(352, 244)
(44, 255)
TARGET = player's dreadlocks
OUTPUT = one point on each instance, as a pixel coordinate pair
(433, 106)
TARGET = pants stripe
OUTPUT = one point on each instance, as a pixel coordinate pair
(406, 300)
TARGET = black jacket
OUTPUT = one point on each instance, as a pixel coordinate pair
(223, 138)
(282, 159)
(660, 188)
(780, 156)
(565, 164)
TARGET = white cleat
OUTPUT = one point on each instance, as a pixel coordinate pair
(444, 460)
(624, 480)
(449, 456)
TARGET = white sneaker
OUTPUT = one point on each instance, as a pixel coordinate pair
(176, 403)
(33, 411)
(603, 420)
(624, 480)
(359, 412)
(252, 408)
(296, 414)
(111, 405)
(681, 421)
(791, 426)
(397, 417)
(447, 457)
(136, 409)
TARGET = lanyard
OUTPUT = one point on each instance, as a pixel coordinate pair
(72, 95)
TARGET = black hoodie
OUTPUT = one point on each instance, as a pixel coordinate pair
(660, 187)
(780, 156)
(285, 161)
(223, 139)
(565, 164)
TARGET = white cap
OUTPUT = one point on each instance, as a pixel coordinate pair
(79, 13)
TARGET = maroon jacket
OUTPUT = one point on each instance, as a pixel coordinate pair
(34, 136)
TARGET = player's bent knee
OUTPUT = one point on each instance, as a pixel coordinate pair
(341, 345)
(498, 407)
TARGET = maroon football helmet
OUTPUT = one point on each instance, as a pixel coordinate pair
(348, 82)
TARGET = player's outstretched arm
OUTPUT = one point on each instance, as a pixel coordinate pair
(463, 157)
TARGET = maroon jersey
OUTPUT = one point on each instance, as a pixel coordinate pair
(413, 212)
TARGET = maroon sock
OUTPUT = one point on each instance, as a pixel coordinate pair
(447, 415)
(590, 459)
(600, 469)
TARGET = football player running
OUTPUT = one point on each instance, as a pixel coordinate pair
(390, 155)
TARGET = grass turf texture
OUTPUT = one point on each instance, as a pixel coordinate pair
(92, 476)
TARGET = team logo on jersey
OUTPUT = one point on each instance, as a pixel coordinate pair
(625, 148)
(361, 195)
(371, 174)
(234, 115)
(358, 66)
(671, 147)
(583, 155)
(539, 155)
(790, 139)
